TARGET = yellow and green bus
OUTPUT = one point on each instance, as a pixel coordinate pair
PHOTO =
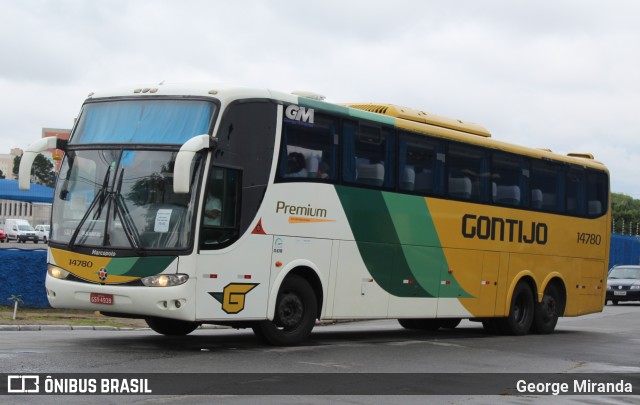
(190, 205)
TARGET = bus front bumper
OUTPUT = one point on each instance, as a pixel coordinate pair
(177, 302)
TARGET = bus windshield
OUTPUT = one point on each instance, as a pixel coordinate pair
(122, 199)
(143, 121)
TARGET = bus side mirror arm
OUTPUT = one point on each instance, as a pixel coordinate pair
(29, 155)
(182, 166)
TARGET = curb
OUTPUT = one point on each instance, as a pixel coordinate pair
(31, 328)
(4, 328)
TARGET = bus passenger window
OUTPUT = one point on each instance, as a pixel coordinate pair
(417, 162)
(546, 177)
(368, 155)
(576, 191)
(468, 174)
(509, 177)
(309, 151)
(597, 192)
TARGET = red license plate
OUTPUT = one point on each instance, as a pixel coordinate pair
(98, 298)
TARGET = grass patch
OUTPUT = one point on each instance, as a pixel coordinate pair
(51, 316)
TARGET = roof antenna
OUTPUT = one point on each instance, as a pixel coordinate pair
(161, 83)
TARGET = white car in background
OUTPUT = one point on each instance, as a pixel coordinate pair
(43, 232)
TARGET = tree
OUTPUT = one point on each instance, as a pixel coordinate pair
(625, 209)
(42, 171)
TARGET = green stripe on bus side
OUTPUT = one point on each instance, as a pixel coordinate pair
(421, 245)
(418, 238)
(378, 241)
(399, 243)
(342, 110)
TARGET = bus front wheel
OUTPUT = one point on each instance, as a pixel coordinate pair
(171, 327)
(295, 314)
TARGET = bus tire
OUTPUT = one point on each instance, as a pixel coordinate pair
(295, 314)
(546, 313)
(410, 324)
(171, 327)
(449, 323)
(492, 325)
(520, 312)
(420, 324)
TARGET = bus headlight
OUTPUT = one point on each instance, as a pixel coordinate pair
(165, 280)
(57, 272)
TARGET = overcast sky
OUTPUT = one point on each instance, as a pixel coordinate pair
(561, 74)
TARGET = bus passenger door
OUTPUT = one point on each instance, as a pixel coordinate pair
(233, 270)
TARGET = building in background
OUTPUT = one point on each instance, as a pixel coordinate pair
(35, 211)
(34, 204)
(6, 162)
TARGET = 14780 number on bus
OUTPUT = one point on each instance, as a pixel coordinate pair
(589, 238)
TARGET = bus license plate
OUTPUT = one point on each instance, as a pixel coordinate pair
(619, 293)
(98, 298)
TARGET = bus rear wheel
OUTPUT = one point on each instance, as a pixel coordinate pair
(295, 315)
(171, 327)
(520, 312)
(547, 312)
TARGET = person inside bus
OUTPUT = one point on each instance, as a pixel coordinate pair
(324, 170)
(212, 210)
(296, 165)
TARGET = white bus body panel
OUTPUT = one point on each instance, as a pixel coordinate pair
(299, 252)
(245, 263)
(356, 294)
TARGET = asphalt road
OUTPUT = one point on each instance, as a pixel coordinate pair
(606, 342)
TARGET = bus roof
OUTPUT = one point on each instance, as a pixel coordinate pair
(401, 117)
(411, 114)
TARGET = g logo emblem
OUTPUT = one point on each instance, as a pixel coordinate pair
(233, 296)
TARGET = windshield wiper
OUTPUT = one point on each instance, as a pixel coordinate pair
(128, 226)
(100, 198)
(72, 241)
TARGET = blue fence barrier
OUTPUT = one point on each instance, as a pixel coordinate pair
(22, 273)
(625, 249)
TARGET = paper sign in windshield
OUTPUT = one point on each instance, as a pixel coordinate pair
(162, 220)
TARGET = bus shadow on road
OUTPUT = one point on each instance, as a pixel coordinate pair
(220, 340)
